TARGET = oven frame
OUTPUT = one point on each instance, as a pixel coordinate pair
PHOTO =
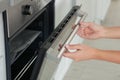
(42, 50)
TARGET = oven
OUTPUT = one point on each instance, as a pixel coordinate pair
(28, 23)
(31, 41)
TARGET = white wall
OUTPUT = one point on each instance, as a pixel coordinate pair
(2, 52)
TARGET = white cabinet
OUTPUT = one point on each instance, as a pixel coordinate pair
(102, 7)
(3, 4)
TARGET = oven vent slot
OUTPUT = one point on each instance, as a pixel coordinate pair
(51, 40)
(62, 25)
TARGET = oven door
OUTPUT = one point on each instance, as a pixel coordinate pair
(48, 55)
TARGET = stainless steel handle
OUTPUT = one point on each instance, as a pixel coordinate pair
(81, 17)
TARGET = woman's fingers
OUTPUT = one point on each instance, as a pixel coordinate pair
(69, 55)
(73, 27)
(73, 47)
(60, 46)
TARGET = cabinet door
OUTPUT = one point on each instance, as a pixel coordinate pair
(102, 8)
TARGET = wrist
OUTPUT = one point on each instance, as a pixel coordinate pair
(104, 32)
(96, 54)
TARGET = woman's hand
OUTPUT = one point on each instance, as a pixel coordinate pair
(82, 52)
(91, 30)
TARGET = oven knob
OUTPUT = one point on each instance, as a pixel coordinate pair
(27, 10)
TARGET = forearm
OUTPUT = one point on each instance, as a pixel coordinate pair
(108, 55)
(111, 32)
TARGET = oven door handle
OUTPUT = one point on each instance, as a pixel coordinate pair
(81, 17)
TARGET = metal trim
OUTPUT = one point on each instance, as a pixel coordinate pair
(8, 67)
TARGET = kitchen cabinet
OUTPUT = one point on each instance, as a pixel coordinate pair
(96, 9)
(102, 7)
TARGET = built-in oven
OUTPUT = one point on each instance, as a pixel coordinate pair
(28, 23)
(32, 42)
